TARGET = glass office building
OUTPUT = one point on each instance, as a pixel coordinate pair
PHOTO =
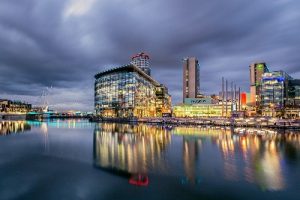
(272, 89)
(128, 91)
(274, 92)
(293, 93)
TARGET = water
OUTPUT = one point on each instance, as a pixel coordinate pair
(75, 159)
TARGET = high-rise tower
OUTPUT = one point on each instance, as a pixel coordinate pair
(141, 60)
(256, 72)
(191, 78)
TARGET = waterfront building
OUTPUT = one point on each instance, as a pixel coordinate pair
(274, 92)
(9, 106)
(292, 103)
(127, 91)
(191, 79)
(141, 60)
(293, 93)
(163, 101)
(256, 72)
(200, 110)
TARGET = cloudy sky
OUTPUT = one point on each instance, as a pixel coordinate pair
(63, 43)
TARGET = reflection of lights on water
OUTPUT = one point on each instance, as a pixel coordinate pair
(243, 144)
(271, 175)
(139, 149)
(44, 129)
(120, 147)
(9, 127)
(190, 155)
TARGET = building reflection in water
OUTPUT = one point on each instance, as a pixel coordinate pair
(10, 127)
(190, 157)
(262, 159)
(62, 123)
(254, 156)
(130, 150)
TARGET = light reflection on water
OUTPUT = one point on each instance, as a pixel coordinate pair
(9, 127)
(134, 149)
(193, 156)
(252, 158)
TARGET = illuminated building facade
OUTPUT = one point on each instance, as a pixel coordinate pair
(293, 93)
(199, 110)
(280, 95)
(191, 78)
(273, 88)
(141, 60)
(292, 104)
(163, 100)
(128, 91)
(256, 72)
(8, 106)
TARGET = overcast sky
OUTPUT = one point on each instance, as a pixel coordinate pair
(63, 43)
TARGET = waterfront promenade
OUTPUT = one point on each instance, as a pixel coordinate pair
(256, 122)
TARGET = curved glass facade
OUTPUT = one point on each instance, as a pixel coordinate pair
(125, 92)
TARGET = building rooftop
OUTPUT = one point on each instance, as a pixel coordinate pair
(128, 68)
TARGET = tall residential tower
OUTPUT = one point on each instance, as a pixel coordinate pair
(256, 72)
(191, 84)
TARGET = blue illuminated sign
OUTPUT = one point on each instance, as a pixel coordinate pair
(279, 79)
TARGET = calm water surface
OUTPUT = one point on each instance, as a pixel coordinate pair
(75, 159)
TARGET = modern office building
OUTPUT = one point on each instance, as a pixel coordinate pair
(141, 60)
(292, 102)
(293, 93)
(274, 92)
(163, 101)
(128, 91)
(191, 84)
(256, 72)
(273, 88)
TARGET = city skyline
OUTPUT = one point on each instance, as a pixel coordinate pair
(64, 43)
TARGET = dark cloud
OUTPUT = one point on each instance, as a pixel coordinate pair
(63, 43)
